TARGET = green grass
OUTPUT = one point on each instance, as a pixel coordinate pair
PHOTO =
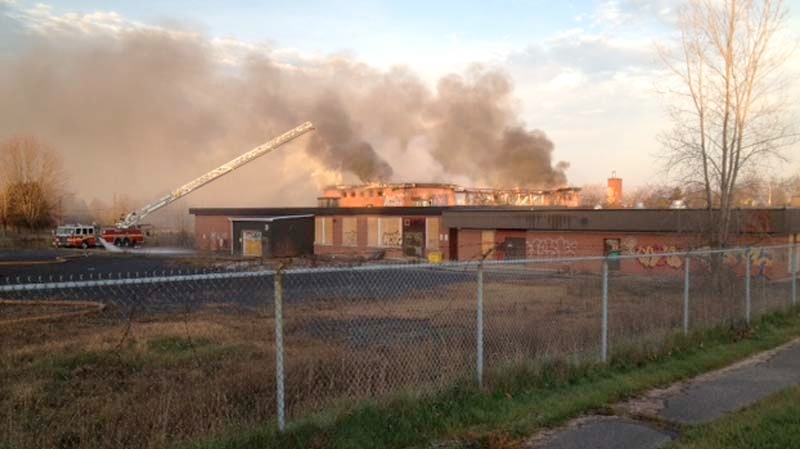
(520, 400)
(773, 423)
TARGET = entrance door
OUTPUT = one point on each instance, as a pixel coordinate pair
(251, 243)
(514, 248)
(453, 238)
(414, 237)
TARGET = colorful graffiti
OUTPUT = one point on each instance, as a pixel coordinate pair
(760, 260)
(653, 256)
(554, 247)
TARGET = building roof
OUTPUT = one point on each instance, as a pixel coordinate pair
(396, 185)
(454, 187)
(779, 221)
(282, 211)
(270, 219)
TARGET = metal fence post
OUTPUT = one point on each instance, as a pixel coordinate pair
(479, 330)
(279, 350)
(604, 336)
(747, 269)
(794, 274)
(686, 264)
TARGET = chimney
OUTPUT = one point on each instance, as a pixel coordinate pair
(614, 191)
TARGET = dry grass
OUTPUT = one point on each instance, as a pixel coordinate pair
(96, 381)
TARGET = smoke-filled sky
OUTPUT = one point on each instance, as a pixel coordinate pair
(138, 98)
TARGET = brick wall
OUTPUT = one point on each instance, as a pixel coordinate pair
(363, 247)
(212, 233)
(555, 245)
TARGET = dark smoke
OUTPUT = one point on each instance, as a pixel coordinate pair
(139, 112)
(479, 134)
(338, 144)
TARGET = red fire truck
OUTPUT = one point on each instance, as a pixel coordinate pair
(75, 236)
(124, 237)
(87, 236)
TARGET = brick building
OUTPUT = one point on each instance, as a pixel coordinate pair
(432, 194)
(459, 233)
(353, 231)
(543, 234)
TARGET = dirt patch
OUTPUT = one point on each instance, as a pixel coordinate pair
(367, 331)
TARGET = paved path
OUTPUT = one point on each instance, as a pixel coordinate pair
(734, 389)
(601, 432)
(697, 401)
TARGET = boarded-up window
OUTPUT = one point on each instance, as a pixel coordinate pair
(349, 231)
(323, 230)
(373, 240)
(432, 233)
(391, 231)
(487, 242)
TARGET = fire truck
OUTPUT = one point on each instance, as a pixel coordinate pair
(128, 231)
(124, 237)
(75, 236)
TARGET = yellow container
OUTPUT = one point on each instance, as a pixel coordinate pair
(435, 257)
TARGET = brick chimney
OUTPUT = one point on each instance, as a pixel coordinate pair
(614, 191)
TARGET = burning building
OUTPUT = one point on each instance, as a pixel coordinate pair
(433, 194)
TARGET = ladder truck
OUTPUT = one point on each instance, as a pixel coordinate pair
(128, 232)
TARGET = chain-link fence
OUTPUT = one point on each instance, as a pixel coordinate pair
(147, 361)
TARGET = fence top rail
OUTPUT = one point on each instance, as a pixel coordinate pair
(139, 280)
(472, 264)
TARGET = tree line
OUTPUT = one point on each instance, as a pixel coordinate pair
(34, 193)
(32, 184)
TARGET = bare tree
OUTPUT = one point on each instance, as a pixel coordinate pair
(594, 195)
(728, 118)
(33, 182)
(655, 196)
(109, 214)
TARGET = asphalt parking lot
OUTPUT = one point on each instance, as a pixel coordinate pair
(61, 264)
(178, 291)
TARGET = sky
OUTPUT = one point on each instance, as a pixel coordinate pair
(584, 72)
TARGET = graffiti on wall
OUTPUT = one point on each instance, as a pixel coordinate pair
(392, 239)
(760, 260)
(653, 255)
(552, 247)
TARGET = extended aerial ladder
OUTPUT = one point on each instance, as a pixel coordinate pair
(133, 218)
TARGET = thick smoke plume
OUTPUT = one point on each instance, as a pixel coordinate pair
(141, 111)
(478, 134)
(339, 145)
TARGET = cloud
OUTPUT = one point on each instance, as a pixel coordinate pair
(591, 54)
(11, 29)
(638, 13)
